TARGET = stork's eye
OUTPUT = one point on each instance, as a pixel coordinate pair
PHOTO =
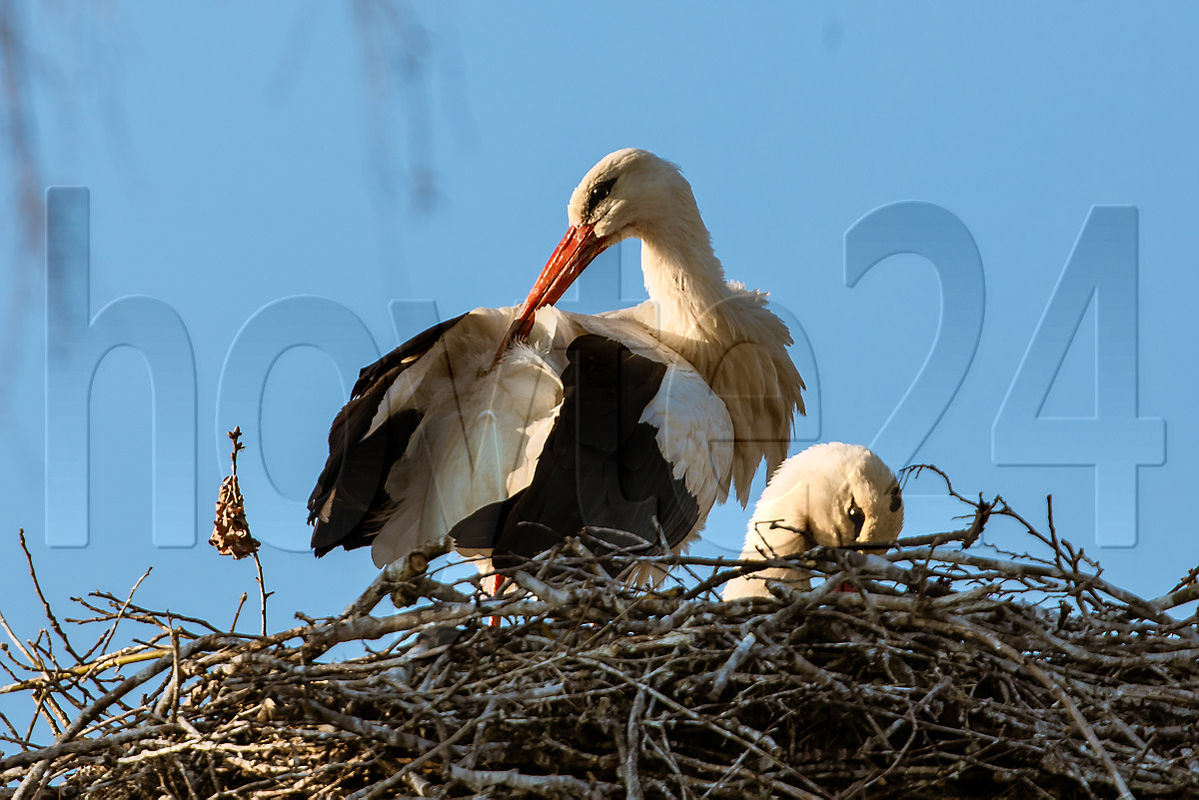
(600, 191)
(856, 516)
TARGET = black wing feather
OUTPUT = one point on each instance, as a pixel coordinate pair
(357, 469)
(600, 466)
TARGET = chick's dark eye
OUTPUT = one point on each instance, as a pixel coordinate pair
(856, 516)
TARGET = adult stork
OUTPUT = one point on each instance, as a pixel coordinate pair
(508, 429)
(831, 494)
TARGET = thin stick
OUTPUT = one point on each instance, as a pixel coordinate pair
(263, 594)
(112, 629)
(37, 587)
(241, 602)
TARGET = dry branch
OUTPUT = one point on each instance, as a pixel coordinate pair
(950, 672)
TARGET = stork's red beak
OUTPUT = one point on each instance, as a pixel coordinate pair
(578, 248)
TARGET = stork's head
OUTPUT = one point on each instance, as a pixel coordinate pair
(628, 193)
(831, 494)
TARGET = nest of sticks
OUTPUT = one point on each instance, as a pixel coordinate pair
(948, 671)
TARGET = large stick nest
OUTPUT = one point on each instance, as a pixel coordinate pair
(949, 671)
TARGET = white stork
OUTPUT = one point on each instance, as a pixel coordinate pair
(831, 494)
(637, 419)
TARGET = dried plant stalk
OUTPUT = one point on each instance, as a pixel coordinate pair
(230, 531)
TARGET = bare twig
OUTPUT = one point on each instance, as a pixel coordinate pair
(37, 587)
(263, 594)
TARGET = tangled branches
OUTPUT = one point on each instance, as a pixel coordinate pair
(948, 672)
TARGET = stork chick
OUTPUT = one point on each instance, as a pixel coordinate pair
(832, 494)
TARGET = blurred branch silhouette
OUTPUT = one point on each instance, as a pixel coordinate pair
(18, 125)
(25, 179)
(396, 56)
(396, 52)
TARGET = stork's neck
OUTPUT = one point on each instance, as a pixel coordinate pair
(704, 319)
(686, 280)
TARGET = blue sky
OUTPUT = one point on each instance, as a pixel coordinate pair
(236, 156)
